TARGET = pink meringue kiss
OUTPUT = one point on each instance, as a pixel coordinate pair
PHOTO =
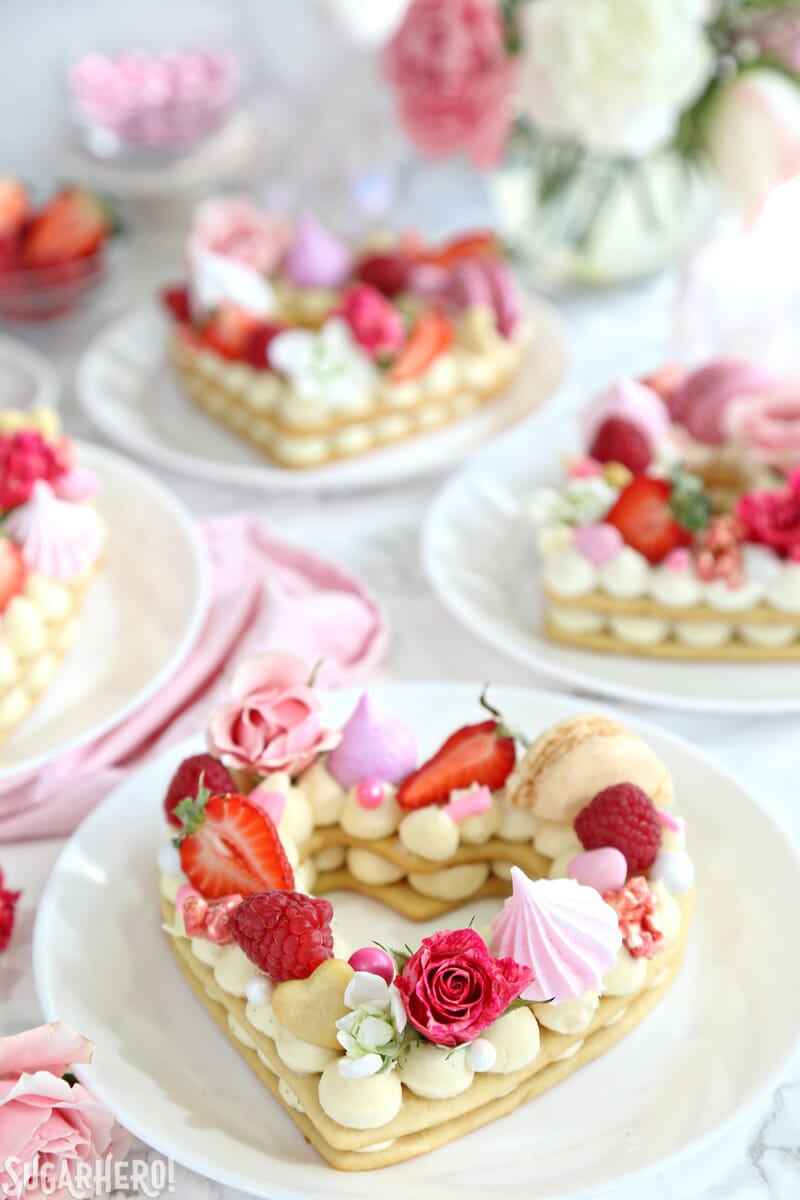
(471, 805)
(58, 540)
(268, 800)
(633, 402)
(374, 745)
(599, 543)
(369, 793)
(316, 258)
(374, 961)
(605, 870)
(702, 403)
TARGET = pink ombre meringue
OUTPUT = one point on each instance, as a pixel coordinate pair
(631, 401)
(316, 258)
(767, 426)
(563, 931)
(701, 405)
(374, 745)
(57, 539)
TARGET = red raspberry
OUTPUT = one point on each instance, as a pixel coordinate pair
(622, 816)
(620, 441)
(386, 272)
(8, 905)
(286, 934)
(186, 782)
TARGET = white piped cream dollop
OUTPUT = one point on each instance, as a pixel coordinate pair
(435, 1072)
(371, 823)
(430, 833)
(573, 1016)
(365, 1103)
(516, 1039)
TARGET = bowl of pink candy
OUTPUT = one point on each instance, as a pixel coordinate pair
(144, 103)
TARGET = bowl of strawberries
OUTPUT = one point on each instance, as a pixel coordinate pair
(52, 254)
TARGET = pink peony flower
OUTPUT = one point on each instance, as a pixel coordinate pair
(8, 910)
(767, 426)
(773, 518)
(454, 77)
(635, 907)
(453, 988)
(25, 458)
(48, 1126)
(375, 322)
(233, 227)
(273, 722)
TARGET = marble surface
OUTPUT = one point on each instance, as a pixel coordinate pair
(376, 536)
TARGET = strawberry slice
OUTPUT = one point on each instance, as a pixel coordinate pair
(388, 273)
(256, 347)
(176, 301)
(480, 244)
(476, 754)
(656, 516)
(228, 846)
(73, 224)
(431, 334)
(15, 207)
(228, 330)
(13, 573)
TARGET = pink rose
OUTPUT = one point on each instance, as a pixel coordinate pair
(375, 322)
(767, 426)
(233, 227)
(453, 988)
(773, 518)
(47, 1126)
(273, 722)
(8, 909)
(453, 75)
(25, 458)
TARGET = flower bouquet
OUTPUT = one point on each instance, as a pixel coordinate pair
(606, 119)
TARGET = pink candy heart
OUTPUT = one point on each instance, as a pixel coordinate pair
(604, 870)
(598, 543)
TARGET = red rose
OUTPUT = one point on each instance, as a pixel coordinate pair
(773, 518)
(25, 458)
(453, 988)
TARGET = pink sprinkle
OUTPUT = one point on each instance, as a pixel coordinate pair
(369, 793)
(268, 801)
(471, 805)
(678, 560)
(674, 824)
(585, 468)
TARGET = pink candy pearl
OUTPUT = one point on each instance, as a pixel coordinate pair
(369, 793)
(374, 961)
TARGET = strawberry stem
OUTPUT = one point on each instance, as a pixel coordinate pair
(191, 812)
(503, 729)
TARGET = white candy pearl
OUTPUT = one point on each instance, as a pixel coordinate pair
(169, 860)
(675, 869)
(258, 990)
(481, 1055)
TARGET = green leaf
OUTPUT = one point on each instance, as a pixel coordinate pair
(191, 812)
(689, 503)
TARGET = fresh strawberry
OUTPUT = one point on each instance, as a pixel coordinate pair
(286, 934)
(200, 770)
(479, 244)
(476, 754)
(386, 272)
(15, 207)
(73, 224)
(176, 301)
(13, 573)
(256, 347)
(655, 516)
(230, 847)
(430, 335)
(620, 441)
(227, 330)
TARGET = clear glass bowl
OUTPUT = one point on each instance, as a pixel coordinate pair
(32, 294)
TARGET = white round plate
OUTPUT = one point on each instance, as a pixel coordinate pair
(128, 390)
(27, 380)
(141, 617)
(482, 564)
(707, 1053)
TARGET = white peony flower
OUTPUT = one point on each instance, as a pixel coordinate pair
(372, 1034)
(327, 367)
(753, 135)
(613, 75)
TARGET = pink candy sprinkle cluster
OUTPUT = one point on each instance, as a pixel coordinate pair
(154, 100)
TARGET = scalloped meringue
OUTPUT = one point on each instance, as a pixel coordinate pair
(58, 539)
(565, 932)
(374, 745)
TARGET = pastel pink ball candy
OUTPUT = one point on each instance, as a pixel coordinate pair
(604, 870)
(369, 793)
(374, 961)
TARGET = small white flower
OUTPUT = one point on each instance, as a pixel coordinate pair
(372, 1034)
(215, 280)
(587, 501)
(327, 367)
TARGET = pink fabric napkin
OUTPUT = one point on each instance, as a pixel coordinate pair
(265, 593)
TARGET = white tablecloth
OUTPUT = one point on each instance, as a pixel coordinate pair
(376, 536)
